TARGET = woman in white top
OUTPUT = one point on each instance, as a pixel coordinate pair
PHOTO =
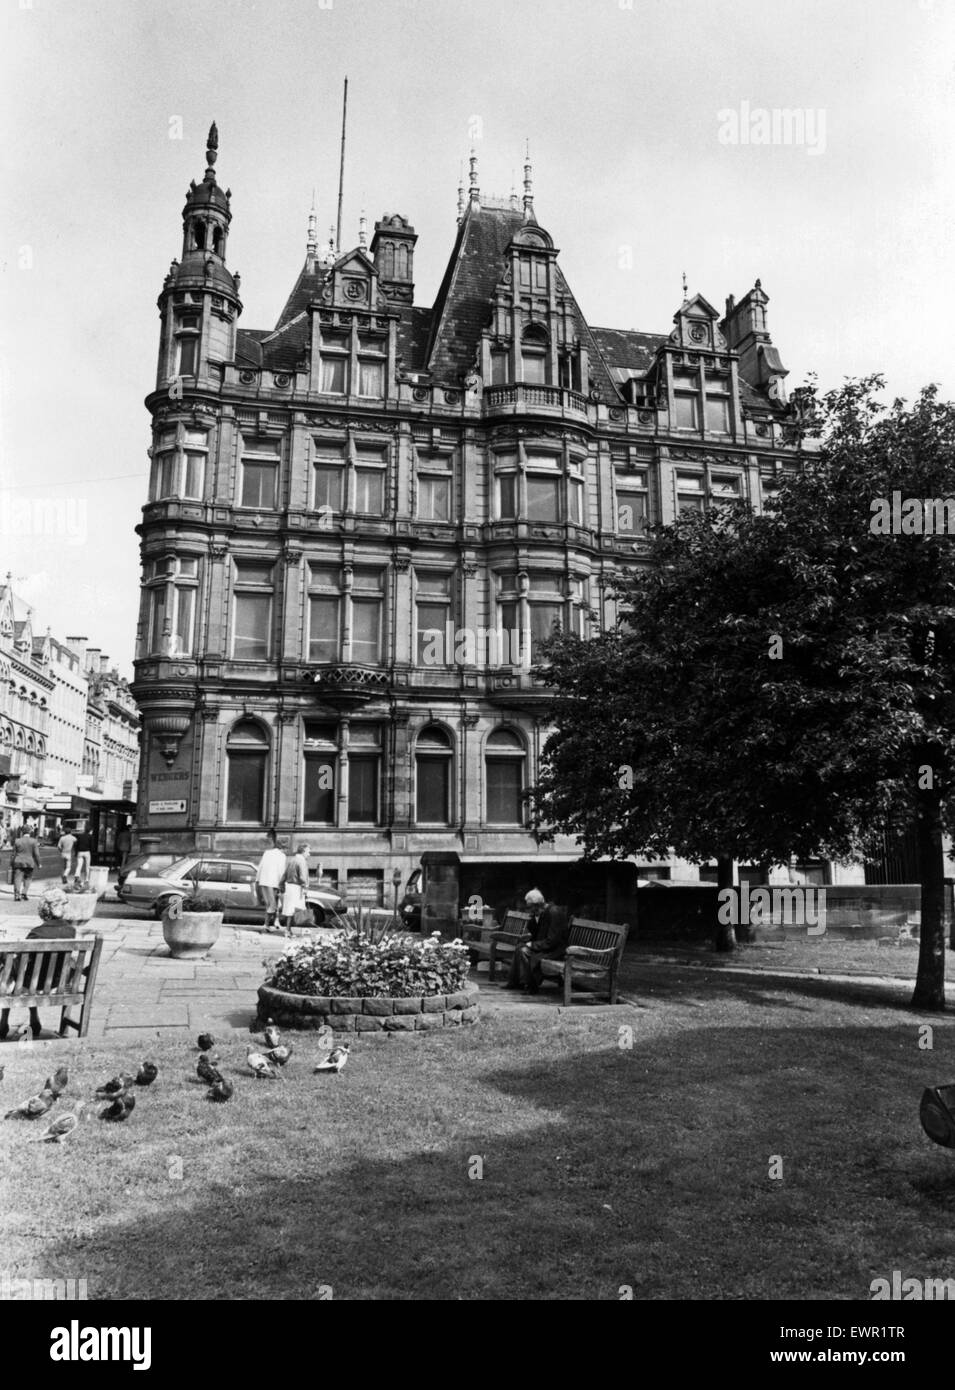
(268, 878)
(296, 881)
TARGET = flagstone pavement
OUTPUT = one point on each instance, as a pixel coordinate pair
(141, 991)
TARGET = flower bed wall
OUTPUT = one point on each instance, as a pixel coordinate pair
(417, 1014)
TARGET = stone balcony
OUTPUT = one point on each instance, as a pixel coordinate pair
(522, 398)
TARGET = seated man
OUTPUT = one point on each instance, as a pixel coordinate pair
(550, 930)
(46, 931)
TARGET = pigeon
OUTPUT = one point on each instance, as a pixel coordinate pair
(117, 1087)
(118, 1109)
(206, 1069)
(272, 1035)
(221, 1090)
(280, 1055)
(58, 1082)
(335, 1060)
(33, 1108)
(2, 1070)
(147, 1074)
(59, 1129)
(260, 1065)
(206, 1042)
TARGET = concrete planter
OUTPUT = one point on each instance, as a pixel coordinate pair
(191, 934)
(372, 1015)
(80, 908)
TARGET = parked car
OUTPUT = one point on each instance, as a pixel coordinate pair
(147, 865)
(215, 877)
(409, 909)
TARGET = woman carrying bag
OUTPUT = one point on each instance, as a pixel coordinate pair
(296, 881)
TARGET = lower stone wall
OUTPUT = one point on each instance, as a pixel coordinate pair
(344, 1015)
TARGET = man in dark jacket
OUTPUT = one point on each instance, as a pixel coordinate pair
(549, 931)
(26, 858)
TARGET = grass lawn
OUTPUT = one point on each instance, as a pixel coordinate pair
(603, 1165)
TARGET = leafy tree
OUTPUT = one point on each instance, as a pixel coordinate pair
(783, 683)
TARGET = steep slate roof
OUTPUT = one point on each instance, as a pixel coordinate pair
(414, 331)
(307, 287)
(462, 307)
(627, 348)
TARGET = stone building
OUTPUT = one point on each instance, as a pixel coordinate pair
(26, 690)
(362, 522)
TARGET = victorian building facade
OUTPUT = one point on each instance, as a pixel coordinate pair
(362, 522)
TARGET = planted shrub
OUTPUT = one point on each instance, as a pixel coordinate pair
(350, 964)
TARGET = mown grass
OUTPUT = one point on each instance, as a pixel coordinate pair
(602, 1164)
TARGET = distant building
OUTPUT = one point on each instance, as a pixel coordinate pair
(26, 690)
(362, 522)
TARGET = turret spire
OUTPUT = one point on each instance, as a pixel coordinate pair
(212, 153)
(461, 191)
(475, 192)
(528, 185)
(311, 244)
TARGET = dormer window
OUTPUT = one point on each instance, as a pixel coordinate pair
(534, 351)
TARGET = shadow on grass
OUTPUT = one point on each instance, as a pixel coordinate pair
(571, 1169)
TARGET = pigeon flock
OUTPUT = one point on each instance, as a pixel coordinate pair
(119, 1093)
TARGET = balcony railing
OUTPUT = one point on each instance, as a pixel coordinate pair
(524, 396)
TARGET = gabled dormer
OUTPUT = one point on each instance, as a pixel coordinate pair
(353, 340)
(352, 283)
(697, 327)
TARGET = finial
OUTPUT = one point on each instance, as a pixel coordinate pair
(331, 246)
(528, 184)
(684, 285)
(363, 231)
(311, 244)
(461, 191)
(212, 149)
(758, 285)
(475, 192)
(513, 192)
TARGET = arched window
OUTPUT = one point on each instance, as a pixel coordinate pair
(504, 760)
(247, 758)
(534, 355)
(217, 240)
(433, 767)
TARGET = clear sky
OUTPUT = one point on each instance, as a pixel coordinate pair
(637, 116)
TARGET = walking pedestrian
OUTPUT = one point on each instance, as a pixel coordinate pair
(66, 844)
(26, 858)
(268, 878)
(296, 882)
(84, 855)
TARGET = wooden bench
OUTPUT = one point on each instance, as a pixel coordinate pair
(594, 951)
(497, 945)
(61, 974)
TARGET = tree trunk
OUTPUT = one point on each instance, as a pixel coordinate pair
(725, 934)
(930, 983)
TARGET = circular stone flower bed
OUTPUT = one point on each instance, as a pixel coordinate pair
(362, 982)
(369, 1015)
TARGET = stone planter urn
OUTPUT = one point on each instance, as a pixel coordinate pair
(190, 935)
(80, 907)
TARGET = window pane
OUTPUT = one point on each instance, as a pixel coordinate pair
(252, 622)
(258, 484)
(432, 618)
(246, 795)
(333, 375)
(434, 499)
(507, 485)
(366, 578)
(535, 368)
(687, 412)
(575, 501)
(371, 378)
(323, 629)
(366, 625)
(188, 355)
(543, 618)
(434, 785)
(433, 582)
(725, 486)
(689, 504)
(631, 512)
(158, 613)
(363, 790)
(542, 498)
(370, 490)
(504, 791)
(195, 473)
(182, 634)
(169, 475)
(717, 414)
(248, 572)
(498, 368)
(319, 791)
(328, 487)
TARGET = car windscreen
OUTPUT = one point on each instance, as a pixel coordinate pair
(179, 868)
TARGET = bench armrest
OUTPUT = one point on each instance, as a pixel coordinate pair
(591, 953)
(512, 937)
